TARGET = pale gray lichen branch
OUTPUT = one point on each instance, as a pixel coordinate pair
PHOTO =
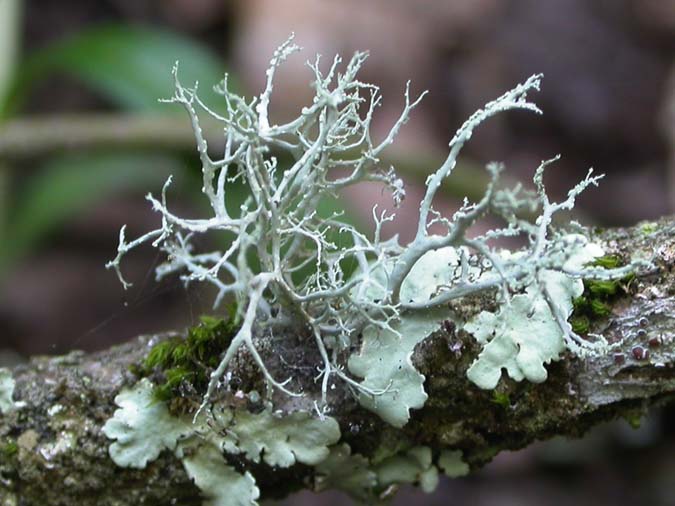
(331, 146)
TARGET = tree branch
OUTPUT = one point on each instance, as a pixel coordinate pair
(52, 450)
(38, 136)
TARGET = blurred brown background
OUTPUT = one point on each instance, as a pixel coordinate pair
(82, 139)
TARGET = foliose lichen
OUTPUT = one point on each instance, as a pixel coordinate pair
(452, 464)
(332, 148)
(412, 466)
(7, 385)
(386, 366)
(532, 329)
(143, 427)
(220, 483)
(343, 471)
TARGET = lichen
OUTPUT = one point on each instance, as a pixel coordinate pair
(384, 362)
(361, 302)
(281, 440)
(66, 441)
(412, 466)
(319, 273)
(7, 386)
(452, 465)
(6, 391)
(374, 480)
(142, 427)
(343, 471)
(392, 386)
(528, 330)
(220, 483)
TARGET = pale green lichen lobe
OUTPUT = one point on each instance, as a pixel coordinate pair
(385, 358)
(221, 484)
(142, 427)
(413, 466)
(524, 334)
(7, 385)
(282, 440)
(385, 363)
(452, 465)
(343, 471)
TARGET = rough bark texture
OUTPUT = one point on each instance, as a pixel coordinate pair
(61, 458)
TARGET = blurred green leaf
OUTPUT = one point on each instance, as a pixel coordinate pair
(129, 65)
(4, 200)
(10, 16)
(70, 185)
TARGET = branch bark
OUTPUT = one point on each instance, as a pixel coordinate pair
(62, 455)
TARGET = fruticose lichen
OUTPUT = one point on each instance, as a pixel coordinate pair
(361, 301)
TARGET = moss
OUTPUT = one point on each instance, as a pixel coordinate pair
(649, 228)
(174, 378)
(580, 324)
(182, 364)
(634, 419)
(180, 353)
(501, 398)
(161, 354)
(599, 295)
(600, 308)
(601, 288)
(9, 449)
(607, 261)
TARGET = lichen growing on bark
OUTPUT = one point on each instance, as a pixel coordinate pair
(365, 321)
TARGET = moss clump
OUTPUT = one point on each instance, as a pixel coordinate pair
(607, 262)
(174, 378)
(634, 419)
(580, 324)
(160, 355)
(184, 364)
(649, 228)
(501, 398)
(599, 295)
(9, 449)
